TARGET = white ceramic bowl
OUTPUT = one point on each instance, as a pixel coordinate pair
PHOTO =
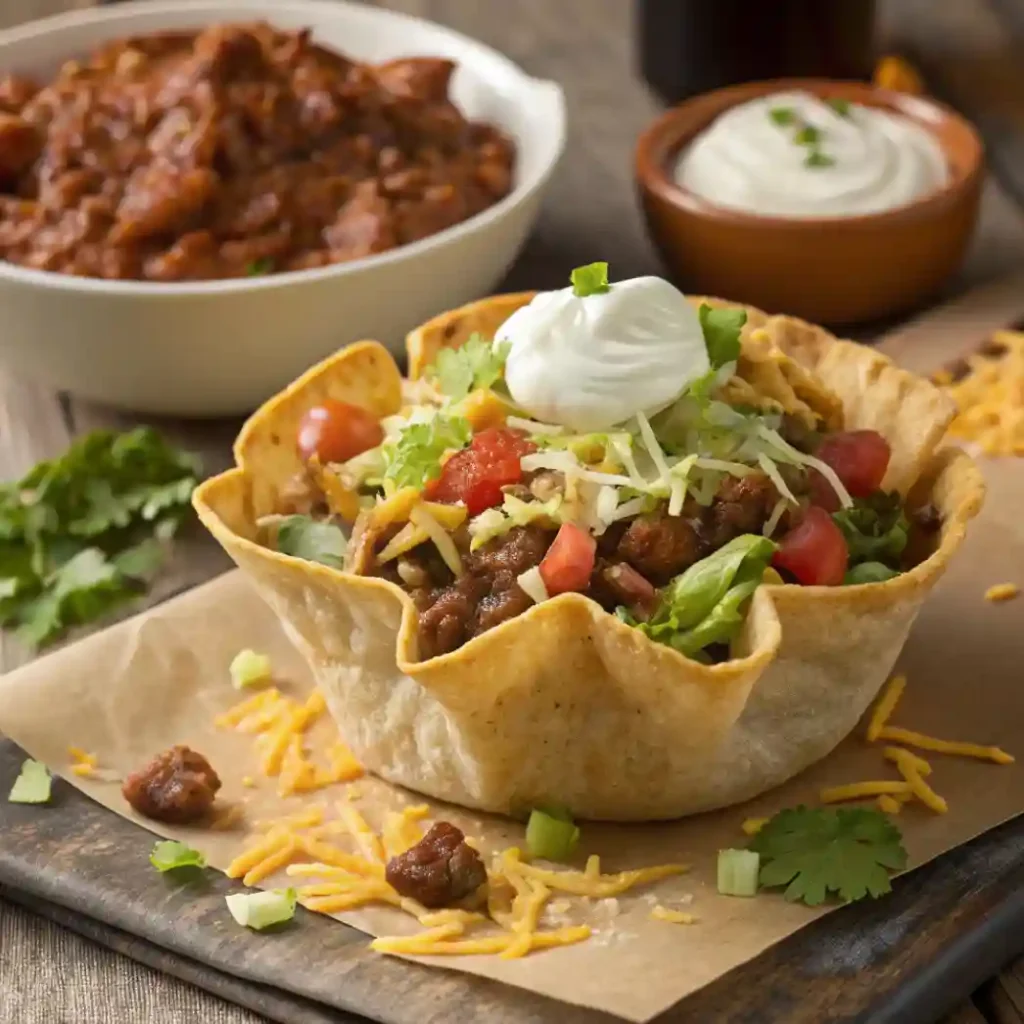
(222, 347)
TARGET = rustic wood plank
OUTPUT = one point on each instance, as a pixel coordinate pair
(1003, 997)
(968, 1013)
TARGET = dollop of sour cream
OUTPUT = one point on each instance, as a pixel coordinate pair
(791, 154)
(592, 362)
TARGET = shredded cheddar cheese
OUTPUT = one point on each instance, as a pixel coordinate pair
(660, 913)
(580, 884)
(990, 396)
(886, 706)
(79, 756)
(432, 944)
(751, 826)
(909, 766)
(367, 841)
(272, 862)
(1002, 592)
(937, 746)
(860, 790)
(401, 831)
(896, 73)
(889, 805)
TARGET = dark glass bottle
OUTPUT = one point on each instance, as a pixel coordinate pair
(687, 47)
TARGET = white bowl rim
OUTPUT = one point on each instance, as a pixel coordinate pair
(551, 92)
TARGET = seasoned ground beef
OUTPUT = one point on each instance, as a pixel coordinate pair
(615, 583)
(177, 786)
(660, 546)
(742, 505)
(486, 595)
(441, 869)
(235, 151)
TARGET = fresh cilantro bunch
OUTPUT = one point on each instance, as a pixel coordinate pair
(415, 457)
(876, 531)
(478, 363)
(82, 532)
(815, 852)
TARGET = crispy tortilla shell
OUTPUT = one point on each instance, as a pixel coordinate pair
(564, 703)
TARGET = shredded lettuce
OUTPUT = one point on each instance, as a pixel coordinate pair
(249, 668)
(590, 280)
(705, 604)
(414, 458)
(496, 522)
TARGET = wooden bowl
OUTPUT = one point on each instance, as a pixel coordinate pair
(832, 270)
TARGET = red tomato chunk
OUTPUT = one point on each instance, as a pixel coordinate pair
(336, 431)
(476, 475)
(815, 551)
(569, 561)
(859, 458)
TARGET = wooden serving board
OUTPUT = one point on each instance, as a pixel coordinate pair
(907, 958)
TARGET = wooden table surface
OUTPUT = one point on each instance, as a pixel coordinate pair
(48, 974)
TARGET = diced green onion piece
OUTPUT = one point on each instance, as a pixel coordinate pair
(590, 280)
(259, 910)
(550, 836)
(170, 854)
(32, 786)
(249, 668)
(737, 872)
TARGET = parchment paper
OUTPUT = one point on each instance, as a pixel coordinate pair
(160, 679)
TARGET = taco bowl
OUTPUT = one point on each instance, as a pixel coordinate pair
(622, 716)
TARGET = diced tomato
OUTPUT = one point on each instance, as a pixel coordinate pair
(814, 551)
(859, 458)
(336, 431)
(569, 561)
(476, 475)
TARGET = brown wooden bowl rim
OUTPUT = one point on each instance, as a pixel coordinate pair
(664, 137)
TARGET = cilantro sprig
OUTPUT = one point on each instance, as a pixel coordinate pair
(314, 540)
(415, 457)
(82, 533)
(818, 852)
(476, 364)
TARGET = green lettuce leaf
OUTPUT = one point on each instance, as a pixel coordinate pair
(722, 333)
(705, 604)
(590, 280)
(312, 539)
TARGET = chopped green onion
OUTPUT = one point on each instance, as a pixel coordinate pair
(32, 786)
(259, 910)
(259, 267)
(590, 280)
(839, 105)
(818, 159)
(737, 872)
(868, 572)
(782, 116)
(249, 669)
(551, 835)
(808, 136)
(171, 854)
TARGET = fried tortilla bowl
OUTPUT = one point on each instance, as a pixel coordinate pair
(565, 704)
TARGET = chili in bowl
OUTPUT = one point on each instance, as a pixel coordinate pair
(209, 196)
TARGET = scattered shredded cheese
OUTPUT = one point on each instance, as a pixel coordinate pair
(580, 884)
(990, 397)
(754, 825)
(909, 766)
(660, 913)
(886, 706)
(79, 756)
(440, 536)
(937, 746)
(888, 804)
(860, 790)
(1002, 592)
